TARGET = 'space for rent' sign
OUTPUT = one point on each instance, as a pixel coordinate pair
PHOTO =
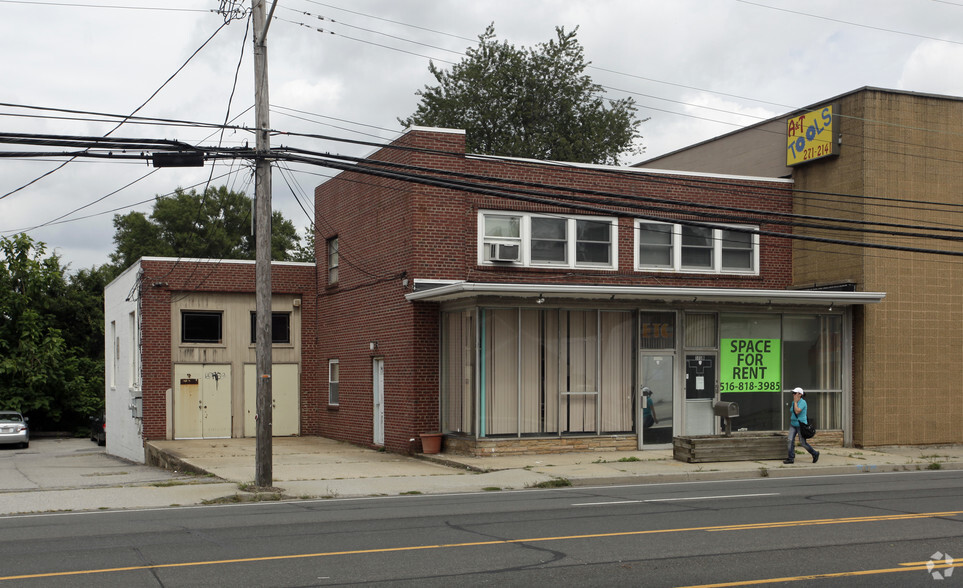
(750, 365)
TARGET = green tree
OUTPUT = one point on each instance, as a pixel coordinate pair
(529, 102)
(36, 366)
(305, 250)
(215, 225)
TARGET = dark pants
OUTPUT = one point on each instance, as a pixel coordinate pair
(793, 431)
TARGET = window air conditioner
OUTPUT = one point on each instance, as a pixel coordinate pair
(503, 252)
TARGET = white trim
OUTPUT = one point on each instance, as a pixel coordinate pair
(461, 290)
(524, 240)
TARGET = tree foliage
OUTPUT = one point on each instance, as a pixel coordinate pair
(51, 334)
(215, 225)
(529, 102)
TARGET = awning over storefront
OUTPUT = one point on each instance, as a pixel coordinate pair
(438, 291)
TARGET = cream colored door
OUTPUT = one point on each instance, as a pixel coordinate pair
(285, 395)
(202, 401)
(187, 401)
(216, 402)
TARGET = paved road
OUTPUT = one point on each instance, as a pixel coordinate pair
(857, 530)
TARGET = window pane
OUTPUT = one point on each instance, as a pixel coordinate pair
(549, 228)
(812, 352)
(588, 230)
(549, 240)
(736, 250)
(696, 247)
(655, 245)
(700, 330)
(502, 226)
(280, 327)
(334, 378)
(334, 260)
(592, 252)
(549, 251)
(592, 241)
(657, 330)
(201, 327)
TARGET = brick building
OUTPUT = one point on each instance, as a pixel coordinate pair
(896, 159)
(512, 305)
(180, 352)
(517, 305)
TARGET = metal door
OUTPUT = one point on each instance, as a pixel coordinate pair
(700, 390)
(285, 400)
(202, 401)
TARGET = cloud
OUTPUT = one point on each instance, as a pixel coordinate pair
(935, 67)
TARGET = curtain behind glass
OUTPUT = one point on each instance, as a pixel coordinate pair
(616, 373)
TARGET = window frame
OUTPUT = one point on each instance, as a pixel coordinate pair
(334, 382)
(334, 260)
(199, 313)
(525, 240)
(718, 250)
(274, 316)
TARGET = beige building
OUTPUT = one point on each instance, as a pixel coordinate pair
(893, 168)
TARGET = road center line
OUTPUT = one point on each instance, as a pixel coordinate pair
(752, 526)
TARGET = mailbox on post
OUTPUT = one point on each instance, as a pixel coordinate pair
(726, 410)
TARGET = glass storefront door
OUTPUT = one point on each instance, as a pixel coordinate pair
(655, 398)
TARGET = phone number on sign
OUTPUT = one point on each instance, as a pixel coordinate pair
(750, 386)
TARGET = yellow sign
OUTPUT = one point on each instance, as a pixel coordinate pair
(811, 135)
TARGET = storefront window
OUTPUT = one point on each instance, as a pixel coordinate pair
(750, 369)
(813, 360)
(457, 371)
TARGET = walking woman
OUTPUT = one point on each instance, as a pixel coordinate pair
(797, 415)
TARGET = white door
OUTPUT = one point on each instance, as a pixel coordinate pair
(378, 379)
(285, 404)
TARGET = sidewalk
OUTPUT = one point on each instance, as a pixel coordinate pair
(314, 467)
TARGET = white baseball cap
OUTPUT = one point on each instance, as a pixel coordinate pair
(798, 390)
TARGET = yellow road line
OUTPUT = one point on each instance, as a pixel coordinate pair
(751, 526)
(907, 568)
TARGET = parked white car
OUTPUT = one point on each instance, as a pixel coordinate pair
(14, 429)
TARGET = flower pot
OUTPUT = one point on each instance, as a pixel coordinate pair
(431, 442)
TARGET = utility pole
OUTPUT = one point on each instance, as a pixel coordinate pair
(263, 475)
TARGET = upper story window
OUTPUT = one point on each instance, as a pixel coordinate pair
(547, 240)
(280, 327)
(681, 248)
(201, 326)
(333, 260)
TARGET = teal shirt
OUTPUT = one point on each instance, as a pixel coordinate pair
(795, 419)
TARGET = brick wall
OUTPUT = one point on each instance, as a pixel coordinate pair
(162, 279)
(390, 232)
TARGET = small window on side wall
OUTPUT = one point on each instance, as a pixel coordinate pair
(201, 326)
(280, 327)
(333, 260)
(334, 379)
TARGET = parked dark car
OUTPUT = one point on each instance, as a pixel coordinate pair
(14, 429)
(98, 429)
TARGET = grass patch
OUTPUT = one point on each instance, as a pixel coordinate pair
(411, 492)
(628, 459)
(169, 483)
(556, 483)
(491, 489)
(934, 465)
(764, 472)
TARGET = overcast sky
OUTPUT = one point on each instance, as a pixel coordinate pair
(696, 68)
